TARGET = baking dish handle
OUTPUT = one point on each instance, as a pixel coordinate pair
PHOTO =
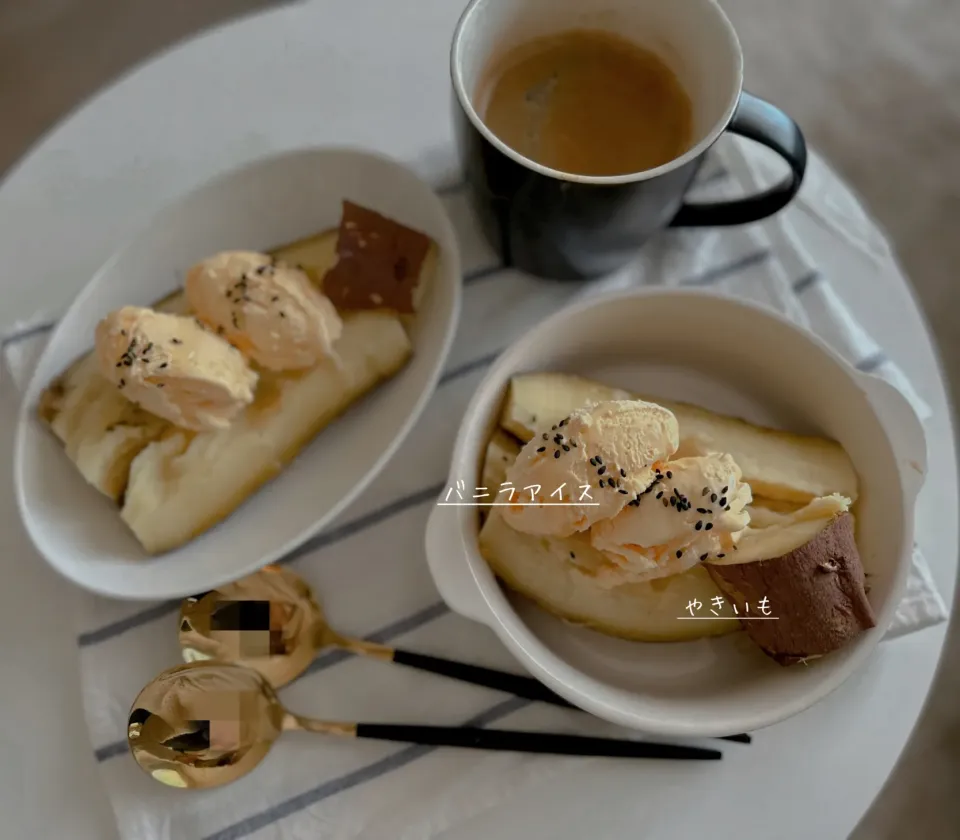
(904, 429)
(448, 566)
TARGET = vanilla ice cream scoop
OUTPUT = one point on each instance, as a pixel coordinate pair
(696, 512)
(588, 467)
(174, 368)
(270, 311)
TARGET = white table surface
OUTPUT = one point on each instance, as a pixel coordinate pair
(374, 73)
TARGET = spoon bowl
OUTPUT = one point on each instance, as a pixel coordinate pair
(269, 621)
(201, 726)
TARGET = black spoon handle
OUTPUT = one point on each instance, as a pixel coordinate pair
(529, 742)
(515, 684)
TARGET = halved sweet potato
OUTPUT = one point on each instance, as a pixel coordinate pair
(778, 465)
(559, 573)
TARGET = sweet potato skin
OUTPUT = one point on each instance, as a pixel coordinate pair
(817, 593)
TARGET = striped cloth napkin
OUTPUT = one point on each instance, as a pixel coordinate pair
(369, 572)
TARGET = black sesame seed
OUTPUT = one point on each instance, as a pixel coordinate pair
(542, 449)
(553, 428)
(599, 459)
(283, 314)
(723, 501)
(673, 501)
(698, 526)
(669, 474)
(713, 497)
(573, 555)
(556, 454)
(701, 510)
(175, 341)
(162, 365)
(623, 472)
(123, 382)
(566, 448)
(119, 364)
(703, 557)
(621, 490)
(727, 507)
(660, 494)
(679, 554)
(600, 484)
(601, 471)
(708, 526)
(573, 443)
(666, 503)
(719, 556)
(546, 436)
(123, 333)
(611, 482)
(705, 491)
(563, 422)
(725, 489)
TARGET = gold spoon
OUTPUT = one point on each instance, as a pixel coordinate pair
(205, 724)
(271, 621)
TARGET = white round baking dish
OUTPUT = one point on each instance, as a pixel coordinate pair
(735, 358)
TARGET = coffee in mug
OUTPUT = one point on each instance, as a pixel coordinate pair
(587, 102)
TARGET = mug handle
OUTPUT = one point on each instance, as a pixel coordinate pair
(757, 120)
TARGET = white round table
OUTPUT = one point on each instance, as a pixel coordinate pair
(374, 73)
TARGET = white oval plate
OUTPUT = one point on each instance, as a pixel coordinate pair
(265, 204)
